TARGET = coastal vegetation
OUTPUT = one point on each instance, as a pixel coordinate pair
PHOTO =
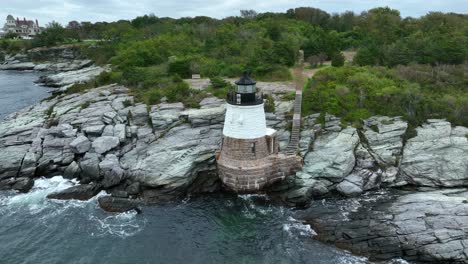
(413, 67)
(416, 92)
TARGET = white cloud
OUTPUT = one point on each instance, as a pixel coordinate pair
(111, 10)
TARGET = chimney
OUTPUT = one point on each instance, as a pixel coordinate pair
(24, 19)
(37, 23)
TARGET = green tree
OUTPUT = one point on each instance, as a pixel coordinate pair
(53, 34)
(338, 59)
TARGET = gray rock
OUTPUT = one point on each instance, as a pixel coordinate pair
(80, 145)
(436, 156)
(111, 170)
(140, 115)
(10, 160)
(303, 188)
(133, 188)
(118, 205)
(205, 117)
(90, 168)
(109, 162)
(104, 144)
(164, 115)
(144, 132)
(384, 137)
(108, 118)
(23, 184)
(72, 171)
(28, 167)
(80, 192)
(113, 177)
(20, 66)
(55, 151)
(120, 132)
(332, 123)
(417, 226)
(333, 155)
(95, 130)
(68, 78)
(174, 160)
(211, 102)
(7, 183)
(351, 186)
(119, 194)
(108, 131)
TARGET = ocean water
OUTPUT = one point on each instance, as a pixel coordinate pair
(209, 229)
(17, 91)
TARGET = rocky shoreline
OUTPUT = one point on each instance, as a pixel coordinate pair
(423, 225)
(142, 154)
(62, 65)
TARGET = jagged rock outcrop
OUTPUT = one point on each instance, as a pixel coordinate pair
(102, 137)
(429, 227)
(118, 205)
(65, 65)
(384, 138)
(59, 58)
(377, 155)
(79, 192)
(331, 159)
(21, 184)
(352, 161)
(70, 75)
(437, 156)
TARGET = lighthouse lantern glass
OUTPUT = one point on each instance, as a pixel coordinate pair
(246, 88)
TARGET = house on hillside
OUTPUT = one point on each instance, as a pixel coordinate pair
(23, 28)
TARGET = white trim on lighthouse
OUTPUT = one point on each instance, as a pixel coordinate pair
(245, 121)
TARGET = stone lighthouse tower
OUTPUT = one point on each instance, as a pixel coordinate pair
(249, 158)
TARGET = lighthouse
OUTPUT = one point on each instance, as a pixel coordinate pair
(249, 157)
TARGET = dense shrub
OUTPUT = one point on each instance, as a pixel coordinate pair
(181, 68)
(356, 93)
(218, 83)
(338, 59)
(269, 103)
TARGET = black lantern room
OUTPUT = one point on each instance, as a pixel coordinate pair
(245, 92)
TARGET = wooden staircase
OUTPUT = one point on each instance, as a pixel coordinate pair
(293, 145)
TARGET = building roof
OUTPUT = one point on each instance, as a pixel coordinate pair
(246, 80)
(27, 22)
(10, 17)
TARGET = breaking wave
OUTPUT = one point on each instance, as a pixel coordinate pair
(96, 222)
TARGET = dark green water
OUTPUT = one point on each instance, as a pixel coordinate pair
(212, 229)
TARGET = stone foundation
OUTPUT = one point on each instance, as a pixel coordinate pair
(248, 165)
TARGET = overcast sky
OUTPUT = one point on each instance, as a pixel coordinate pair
(111, 10)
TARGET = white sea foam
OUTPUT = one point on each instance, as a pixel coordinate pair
(121, 225)
(36, 203)
(35, 200)
(249, 197)
(353, 260)
(251, 210)
(294, 227)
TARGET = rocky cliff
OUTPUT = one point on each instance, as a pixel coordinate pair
(351, 161)
(64, 65)
(103, 137)
(421, 225)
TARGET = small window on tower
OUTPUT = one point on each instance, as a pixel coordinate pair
(252, 146)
